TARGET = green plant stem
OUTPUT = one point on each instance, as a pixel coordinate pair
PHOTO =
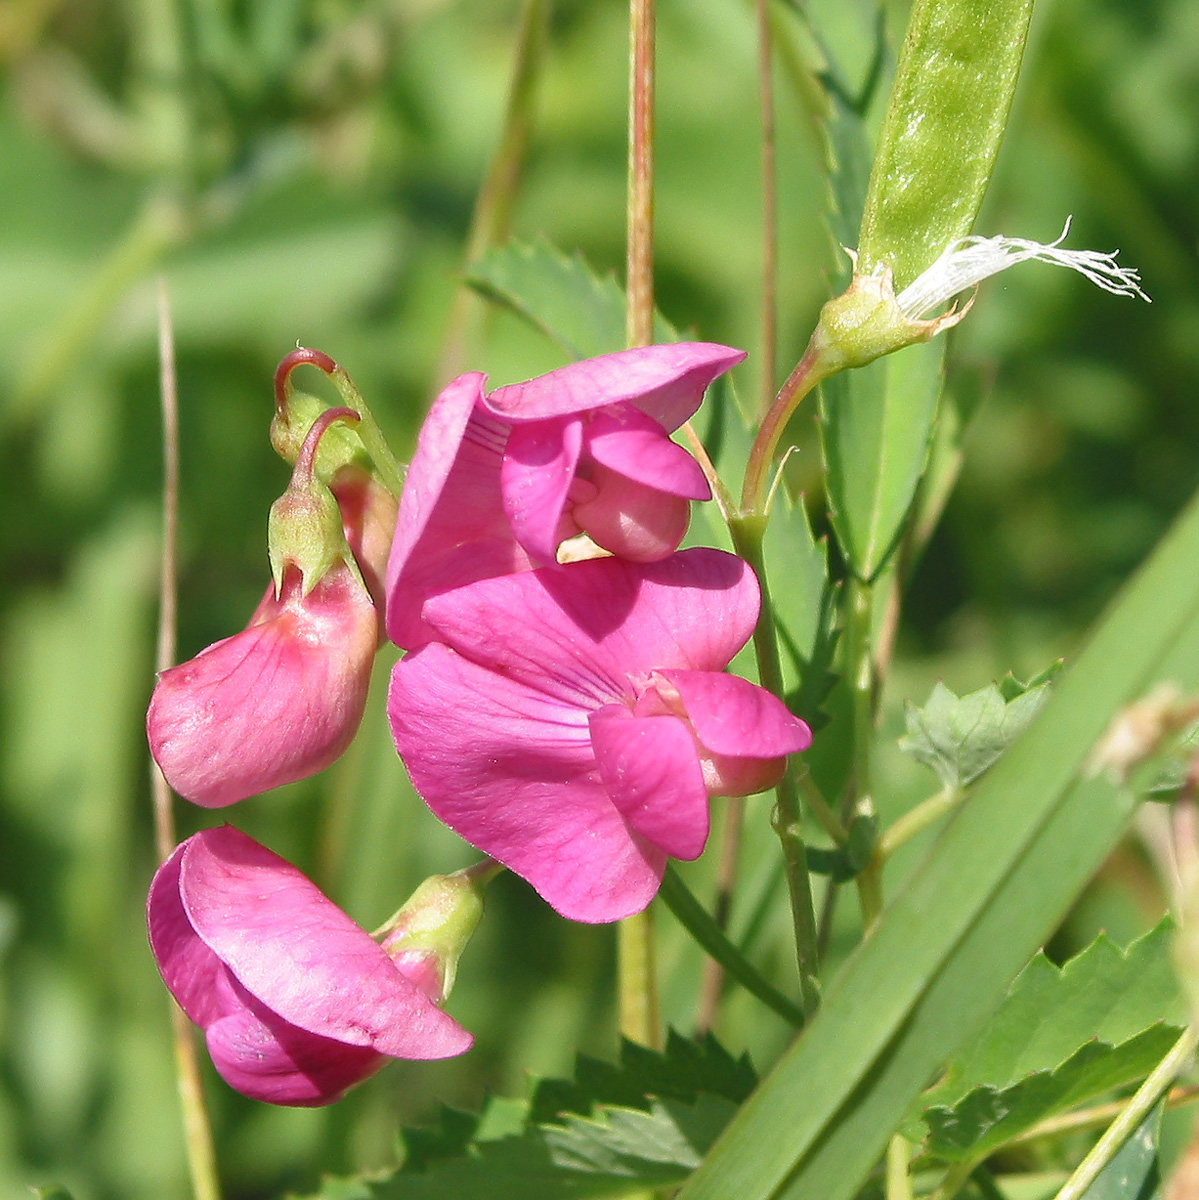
(368, 430)
(899, 1181)
(1137, 1109)
(809, 371)
(698, 922)
(917, 820)
(747, 533)
(492, 213)
(197, 1130)
(769, 208)
(637, 983)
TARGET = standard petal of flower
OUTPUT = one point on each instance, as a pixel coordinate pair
(637, 446)
(441, 545)
(267, 1059)
(667, 382)
(510, 768)
(579, 630)
(301, 956)
(275, 703)
(539, 465)
(651, 770)
(732, 716)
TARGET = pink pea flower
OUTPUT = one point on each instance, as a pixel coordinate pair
(296, 1001)
(572, 722)
(282, 699)
(500, 480)
(276, 702)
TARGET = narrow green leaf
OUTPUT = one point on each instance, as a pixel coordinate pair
(959, 737)
(991, 890)
(946, 116)
(581, 311)
(876, 427)
(803, 598)
(1134, 1172)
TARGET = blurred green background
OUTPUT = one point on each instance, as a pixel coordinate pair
(305, 170)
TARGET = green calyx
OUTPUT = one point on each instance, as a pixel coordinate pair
(865, 322)
(437, 921)
(341, 446)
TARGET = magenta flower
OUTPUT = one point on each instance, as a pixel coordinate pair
(572, 722)
(297, 1002)
(275, 703)
(500, 480)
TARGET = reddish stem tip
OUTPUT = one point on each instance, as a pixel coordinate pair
(305, 460)
(300, 355)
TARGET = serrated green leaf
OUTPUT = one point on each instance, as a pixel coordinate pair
(1061, 1038)
(643, 1122)
(684, 1070)
(581, 311)
(959, 737)
(611, 1153)
(1134, 1172)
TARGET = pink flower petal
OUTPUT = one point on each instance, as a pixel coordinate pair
(651, 769)
(631, 520)
(275, 703)
(667, 382)
(510, 769)
(539, 465)
(452, 528)
(735, 717)
(194, 975)
(267, 1059)
(299, 955)
(581, 629)
(628, 441)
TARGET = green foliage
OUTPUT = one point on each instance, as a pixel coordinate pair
(998, 880)
(959, 737)
(1062, 1037)
(646, 1121)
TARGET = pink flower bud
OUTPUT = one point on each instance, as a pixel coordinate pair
(275, 703)
(296, 1001)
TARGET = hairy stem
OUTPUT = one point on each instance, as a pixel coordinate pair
(197, 1130)
(638, 987)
